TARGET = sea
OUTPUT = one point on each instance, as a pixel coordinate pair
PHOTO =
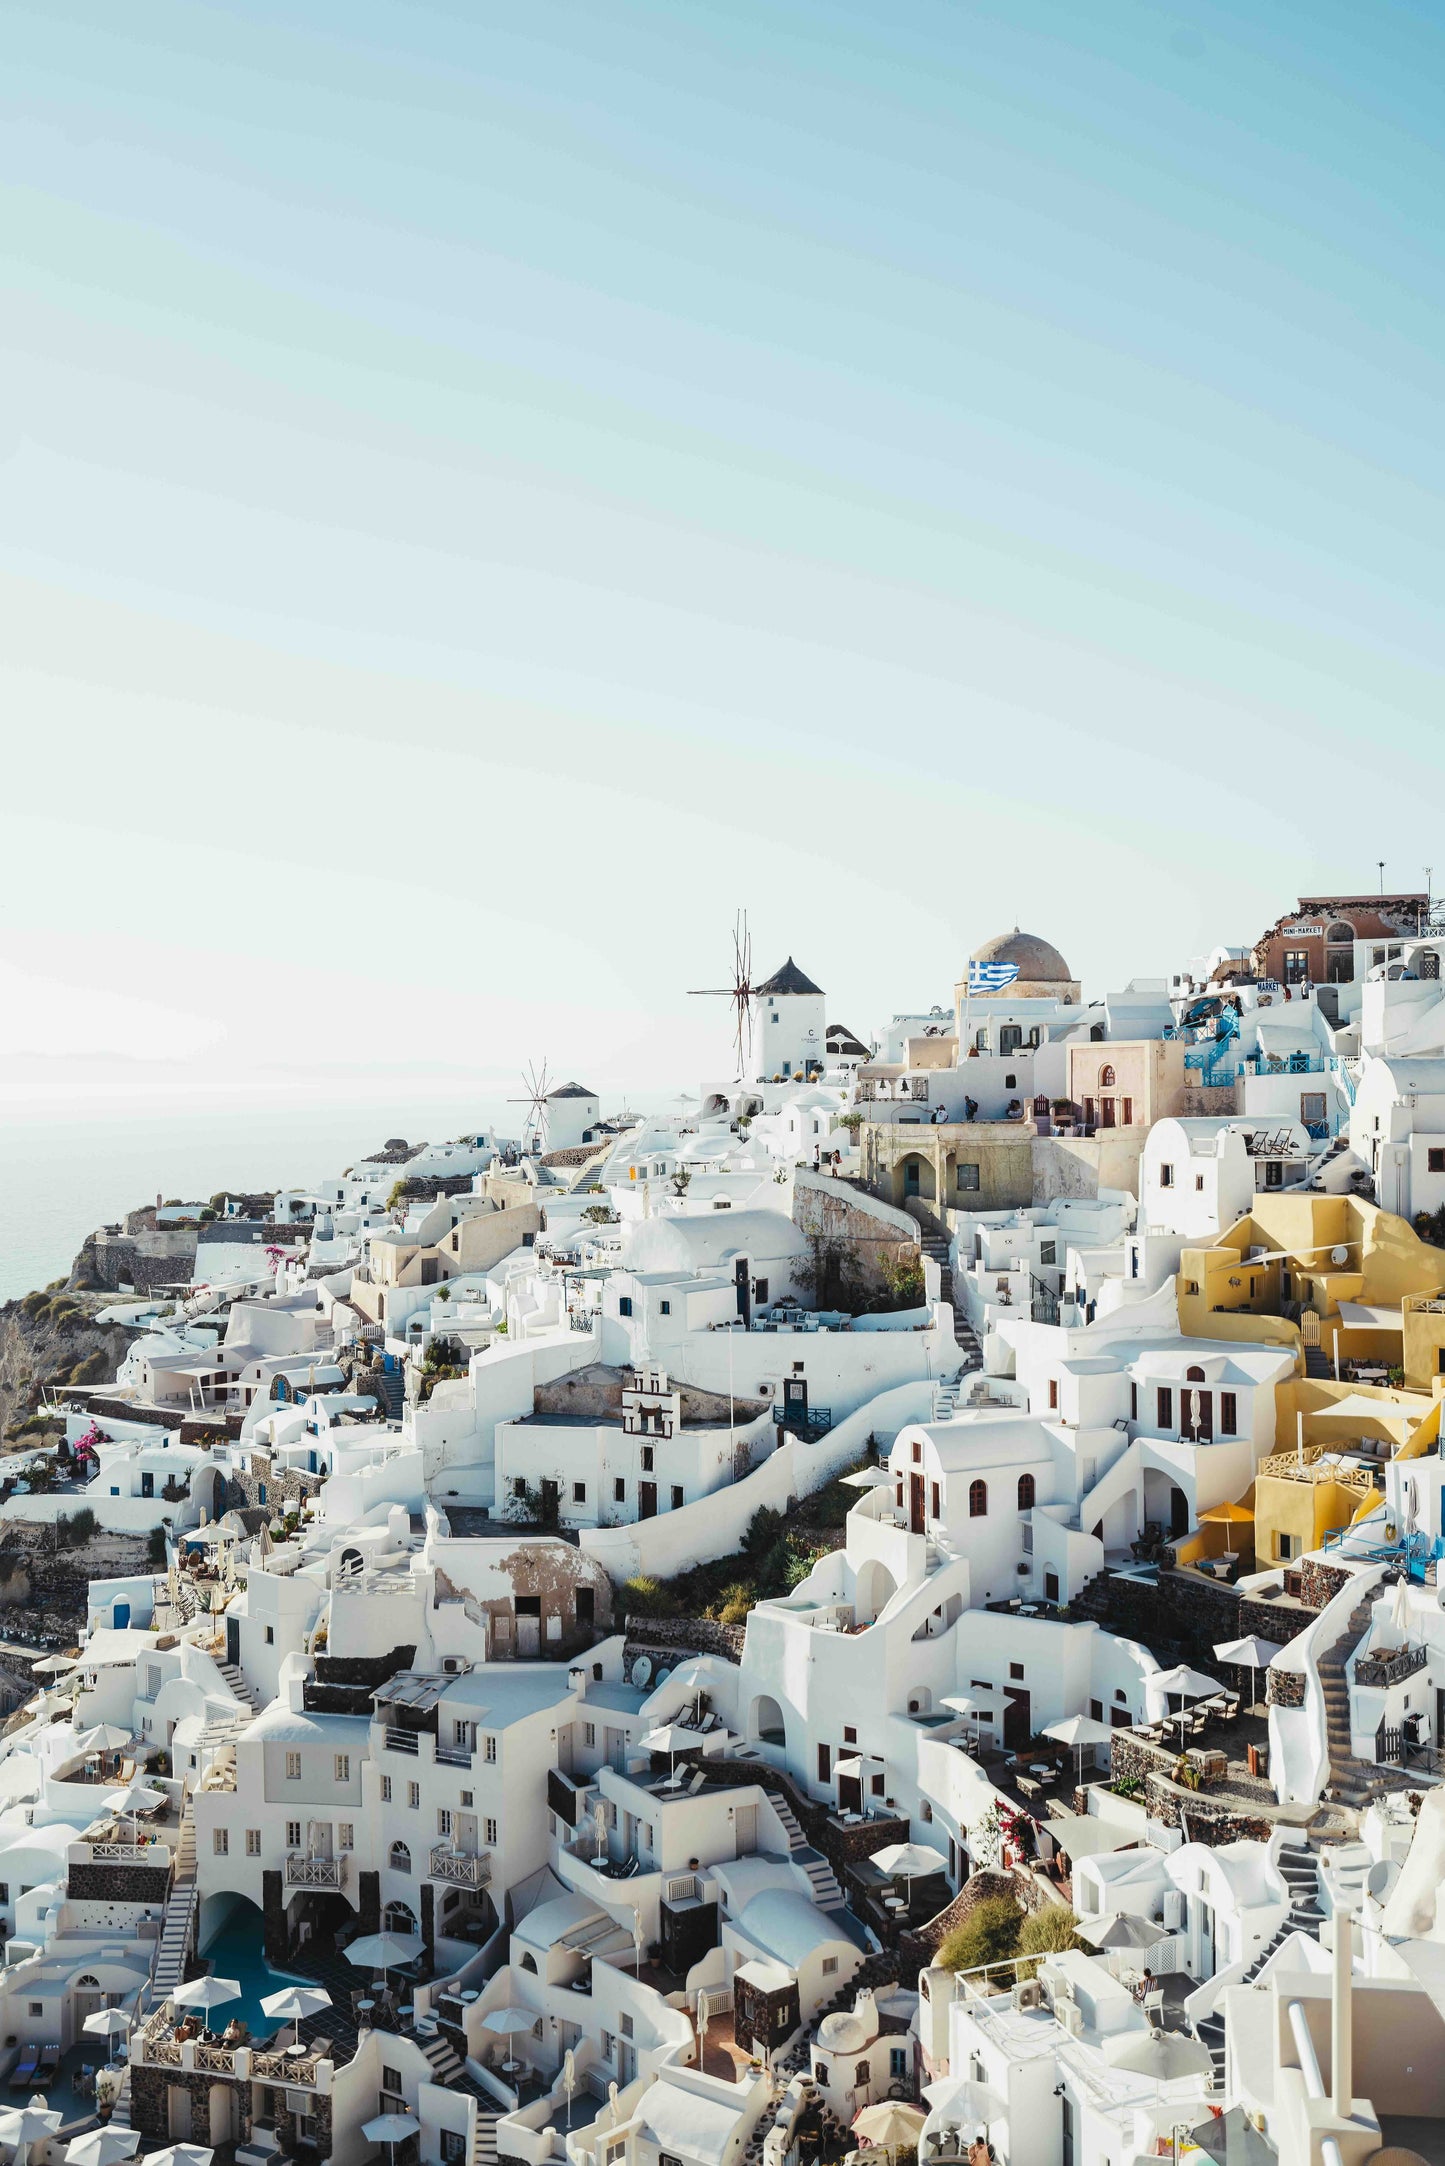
(59, 1180)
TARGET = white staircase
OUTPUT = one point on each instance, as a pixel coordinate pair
(826, 1892)
(238, 1684)
(178, 1923)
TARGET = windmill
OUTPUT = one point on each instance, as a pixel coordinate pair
(535, 1085)
(740, 992)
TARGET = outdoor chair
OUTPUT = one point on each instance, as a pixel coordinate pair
(1154, 2006)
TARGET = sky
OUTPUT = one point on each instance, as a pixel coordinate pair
(489, 492)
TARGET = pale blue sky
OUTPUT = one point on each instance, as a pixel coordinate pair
(489, 490)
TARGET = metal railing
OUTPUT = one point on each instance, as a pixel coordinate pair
(402, 1741)
(1390, 1669)
(454, 1756)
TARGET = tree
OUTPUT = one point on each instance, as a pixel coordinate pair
(903, 1277)
(851, 1121)
(989, 1934)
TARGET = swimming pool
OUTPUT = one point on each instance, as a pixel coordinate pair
(236, 1952)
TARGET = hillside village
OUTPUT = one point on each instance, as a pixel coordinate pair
(893, 1609)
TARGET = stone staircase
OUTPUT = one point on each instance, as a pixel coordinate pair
(390, 1386)
(1352, 1781)
(237, 1682)
(1317, 1362)
(450, 2072)
(821, 1878)
(936, 1245)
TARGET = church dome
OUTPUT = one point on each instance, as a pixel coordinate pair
(1038, 961)
(842, 2032)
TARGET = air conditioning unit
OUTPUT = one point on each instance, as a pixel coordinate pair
(1023, 1570)
(765, 1391)
(1071, 2015)
(1028, 1995)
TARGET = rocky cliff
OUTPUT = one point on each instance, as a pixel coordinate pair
(53, 1338)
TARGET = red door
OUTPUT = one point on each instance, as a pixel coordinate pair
(916, 1520)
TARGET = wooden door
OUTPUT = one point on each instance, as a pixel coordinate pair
(916, 1519)
(646, 1500)
(1017, 1719)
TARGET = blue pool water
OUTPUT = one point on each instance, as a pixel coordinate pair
(235, 1952)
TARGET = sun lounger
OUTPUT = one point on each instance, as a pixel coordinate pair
(24, 2070)
(49, 2062)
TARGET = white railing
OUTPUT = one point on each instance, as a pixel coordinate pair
(315, 1872)
(469, 1869)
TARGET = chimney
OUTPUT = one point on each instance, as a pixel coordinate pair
(1342, 2036)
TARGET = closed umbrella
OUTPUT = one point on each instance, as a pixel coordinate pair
(1079, 1731)
(1164, 2056)
(294, 2002)
(24, 2125)
(1400, 1606)
(1253, 1654)
(103, 2147)
(390, 2129)
(210, 1992)
(1119, 1929)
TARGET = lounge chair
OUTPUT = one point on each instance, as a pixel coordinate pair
(49, 2062)
(24, 2070)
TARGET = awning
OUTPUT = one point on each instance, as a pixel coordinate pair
(1083, 1835)
(1370, 1316)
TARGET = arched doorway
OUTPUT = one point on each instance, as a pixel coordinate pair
(765, 1721)
(874, 1590)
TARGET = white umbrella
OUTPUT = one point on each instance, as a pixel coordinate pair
(390, 2129)
(965, 2099)
(383, 1951)
(136, 1797)
(103, 2147)
(510, 2022)
(1189, 1684)
(1251, 1653)
(1120, 1929)
(181, 2154)
(1164, 2056)
(671, 1738)
(909, 1861)
(108, 2023)
(24, 2125)
(53, 1665)
(209, 1992)
(1400, 1605)
(102, 1736)
(1079, 1731)
(294, 2002)
(959, 1703)
(890, 2125)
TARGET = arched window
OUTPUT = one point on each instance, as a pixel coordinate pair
(978, 1500)
(1194, 1376)
(1026, 1492)
(87, 1983)
(400, 1858)
(1106, 1078)
(398, 1918)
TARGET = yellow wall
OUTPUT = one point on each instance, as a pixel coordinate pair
(1307, 1510)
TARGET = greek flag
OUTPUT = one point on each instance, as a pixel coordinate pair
(991, 977)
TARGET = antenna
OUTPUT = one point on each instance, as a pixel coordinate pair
(535, 1086)
(741, 992)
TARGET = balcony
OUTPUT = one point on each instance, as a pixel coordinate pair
(453, 1756)
(1390, 1666)
(467, 1868)
(402, 1741)
(302, 1872)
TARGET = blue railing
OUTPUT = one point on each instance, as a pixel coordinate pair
(1340, 1069)
(1414, 1551)
(1284, 1063)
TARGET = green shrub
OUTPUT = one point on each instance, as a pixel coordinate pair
(156, 1549)
(1049, 1931)
(644, 1596)
(734, 1603)
(95, 1369)
(989, 1934)
(32, 1304)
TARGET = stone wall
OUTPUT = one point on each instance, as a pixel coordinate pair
(1187, 1614)
(283, 1485)
(1285, 1688)
(107, 1883)
(150, 2105)
(1205, 1816)
(143, 1260)
(670, 1638)
(1320, 1583)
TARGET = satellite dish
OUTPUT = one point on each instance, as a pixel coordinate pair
(1339, 1254)
(641, 1670)
(662, 1676)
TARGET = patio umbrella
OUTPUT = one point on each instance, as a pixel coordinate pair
(391, 2129)
(1227, 1515)
(181, 2154)
(671, 1738)
(1400, 1606)
(1120, 1929)
(1164, 2056)
(136, 1797)
(909, 1861)
(103, 2147)
(294, 2002)
(959, 1703)
(102, 1737)
(1079, 1731)
(208, 1993)
(383, 1951)
(107, 2023)
(1253, 1654)
(890, 2125)
(53, 1665)
(24, 2125)
(510, 2022)
(965, 2099)
(1189, 1684)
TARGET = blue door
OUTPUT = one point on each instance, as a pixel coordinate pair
(120, 1615)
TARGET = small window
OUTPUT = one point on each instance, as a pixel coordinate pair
(1133, 1400)
(677, 1497)
(937, 1503)
(1228, 1414)
(1053, 1394)
(850, 1734)
(862, 2073)
(1096, 1710)
(270, 1635)
(293, 1834)
(918, 1455)
(253, 1842)
(1312, 1108)
(390, 2079)
(1165, 1407)
(345, 1835)
(1126, 1112)
(664, 1308)
(491, 1831)
(624, 1304)
(444, 1820)
(1048, 1252)
(760, 1291)
(1107, 1078)
(1026, 1492)
(413, 1796)
(293, 1767)
(978, 1500)
(830, 1965)
(1436, 1161)
(619, 1491)
(466, 1797)
(647, 1458)
(489, 1750)
(399, 1858)
(221, 1841)
(1016, 1670)
(386, 1789)
(343, 1767)
(519, 1485)
(579, 1492)
(1199, 1184)
(966, 1176)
